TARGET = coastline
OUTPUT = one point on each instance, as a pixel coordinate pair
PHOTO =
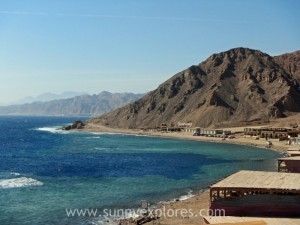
(279, 146)
(196, 204)
(199, 201)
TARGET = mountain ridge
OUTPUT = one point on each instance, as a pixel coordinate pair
(84, 105)
(291, 63)
(231, 87)
(44, 97)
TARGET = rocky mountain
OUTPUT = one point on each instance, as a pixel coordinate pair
(84, 105)
(233, 87)
(291, 63)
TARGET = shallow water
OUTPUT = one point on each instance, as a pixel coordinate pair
(54, 170)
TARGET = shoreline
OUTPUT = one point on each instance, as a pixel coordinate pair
(199, 199)
(187, 201)
(197, 206)
(278, 146)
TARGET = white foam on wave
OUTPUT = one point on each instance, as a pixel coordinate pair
(140, 135)
(53, 130)
(181, 198)
(115, 133)
(97, 137)
(95, 133)
(187, 196)
(15, 174)
(102, 148)
(19, 182)
(133, 214)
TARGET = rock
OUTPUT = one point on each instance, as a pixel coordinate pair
(76, 125)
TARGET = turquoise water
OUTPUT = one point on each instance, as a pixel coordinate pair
(54, 170)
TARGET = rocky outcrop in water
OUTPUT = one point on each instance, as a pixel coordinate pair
(75, 125)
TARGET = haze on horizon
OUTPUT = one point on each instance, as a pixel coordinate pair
(129, 46)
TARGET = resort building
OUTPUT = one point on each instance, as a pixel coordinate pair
(206, 131)
(272, 132)
(289, 165)
(293, 153)
(171, 129)
(294, 148)
(192, 130)
(164, 128)
(295, 141)
(252, 131)
(257, 193)
(231, 220)
(211, 132)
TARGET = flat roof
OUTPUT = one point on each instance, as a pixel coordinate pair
(261, 180)
(293, 153)
(261, 222)
(294, 149)
(296, 158)
(268, 221)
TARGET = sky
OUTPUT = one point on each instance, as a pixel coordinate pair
(129, 45)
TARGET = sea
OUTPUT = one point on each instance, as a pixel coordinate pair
(44, 172)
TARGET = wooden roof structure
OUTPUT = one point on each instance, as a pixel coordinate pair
(293, 153)
(294, 148)
(244, 223)
(296, 158)
(289, 164)
(254, 220)
(260, 180)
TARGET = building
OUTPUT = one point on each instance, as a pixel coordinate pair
(252, 131)
(218, 220)
(272, 132)
(171, 128)
(295, 148)
(289, 165)
(257, 193)
(295, 141)
(293, 153)
(212, 132)
(192, 130)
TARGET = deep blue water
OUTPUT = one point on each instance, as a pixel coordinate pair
(86, 170)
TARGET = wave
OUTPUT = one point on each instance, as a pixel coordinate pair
(19, 182)
(53, 130)
(95, 133)
(102, 133)
(116, 133)
(7, 175)
(134, 214)
(180, 198)
(187, 196)
(15, 174)
(97, 137)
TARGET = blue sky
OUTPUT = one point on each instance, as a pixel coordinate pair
(129, 45)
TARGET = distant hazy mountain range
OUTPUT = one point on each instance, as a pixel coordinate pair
(45, 97)
(80, 105)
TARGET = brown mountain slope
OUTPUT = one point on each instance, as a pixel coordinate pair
(233, 86)
(291, 63)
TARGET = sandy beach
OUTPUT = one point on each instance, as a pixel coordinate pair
(198, 205)
(200, 202)
(280, 146)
